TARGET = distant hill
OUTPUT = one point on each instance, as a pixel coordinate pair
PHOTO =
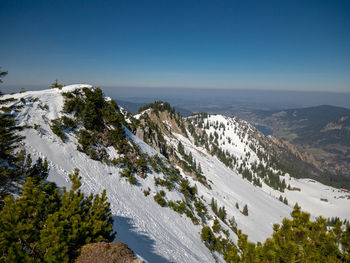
(323, 131)
(133, 107)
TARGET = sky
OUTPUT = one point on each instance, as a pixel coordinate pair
(253, 45)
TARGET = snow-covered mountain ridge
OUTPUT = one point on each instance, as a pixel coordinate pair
(245, 150)
(159, 234)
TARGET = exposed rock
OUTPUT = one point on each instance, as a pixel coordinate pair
(103, 252)
(140, 133)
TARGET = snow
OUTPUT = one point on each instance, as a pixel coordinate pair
(159, 234)
(310, 195)
(311, 192)
(156, 234)
(238, 144)
(228, 188)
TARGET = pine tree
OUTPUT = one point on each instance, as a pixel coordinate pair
(44, 225)
(9, 140)
(180, 148)
(83, 219)
(199, 168)
(214, 206)
(222, 213)
(280, 198)
(2, 74)
(245, 210)
(208, 237)
(38, 171)
(190, 158)
(22, 219)
(345, 243)
(56, 85)
(283, 185)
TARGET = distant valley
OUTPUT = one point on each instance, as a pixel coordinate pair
(323, 131)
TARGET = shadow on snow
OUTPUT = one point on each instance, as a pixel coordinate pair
(139, 243)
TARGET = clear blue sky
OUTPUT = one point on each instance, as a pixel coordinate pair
(285, 45)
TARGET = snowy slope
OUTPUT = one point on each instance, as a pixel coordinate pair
(316, 198)
(233, 137)
(156, 234)
(159, 234)
(228, 188)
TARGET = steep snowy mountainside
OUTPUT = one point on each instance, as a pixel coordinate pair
(249, 148)
(249, 154)
(156, 234)
(229, 188)
(167, 177)
(252, 149)
(165, 130)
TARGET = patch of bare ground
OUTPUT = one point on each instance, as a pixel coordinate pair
(103, 252)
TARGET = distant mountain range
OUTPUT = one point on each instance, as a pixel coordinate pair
(323, 131)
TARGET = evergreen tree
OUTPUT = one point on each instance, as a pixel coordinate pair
(199, 168)
(245, 210)
(2, 74)
(180, 148)
(216, 226)
(9, 139)
(214, 206)
(233, 224)
(56, 85)
(22, 219)
(222, 213)
(297, 240)
(8, 142)
(280, 198)
(208, 237)
(44, 225)
(190, 158)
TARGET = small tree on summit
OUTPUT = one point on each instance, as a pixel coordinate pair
(56, 85)
(2, 74)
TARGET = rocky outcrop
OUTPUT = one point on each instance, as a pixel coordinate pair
(103, 252)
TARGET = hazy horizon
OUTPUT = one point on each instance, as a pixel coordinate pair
(258, 99)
